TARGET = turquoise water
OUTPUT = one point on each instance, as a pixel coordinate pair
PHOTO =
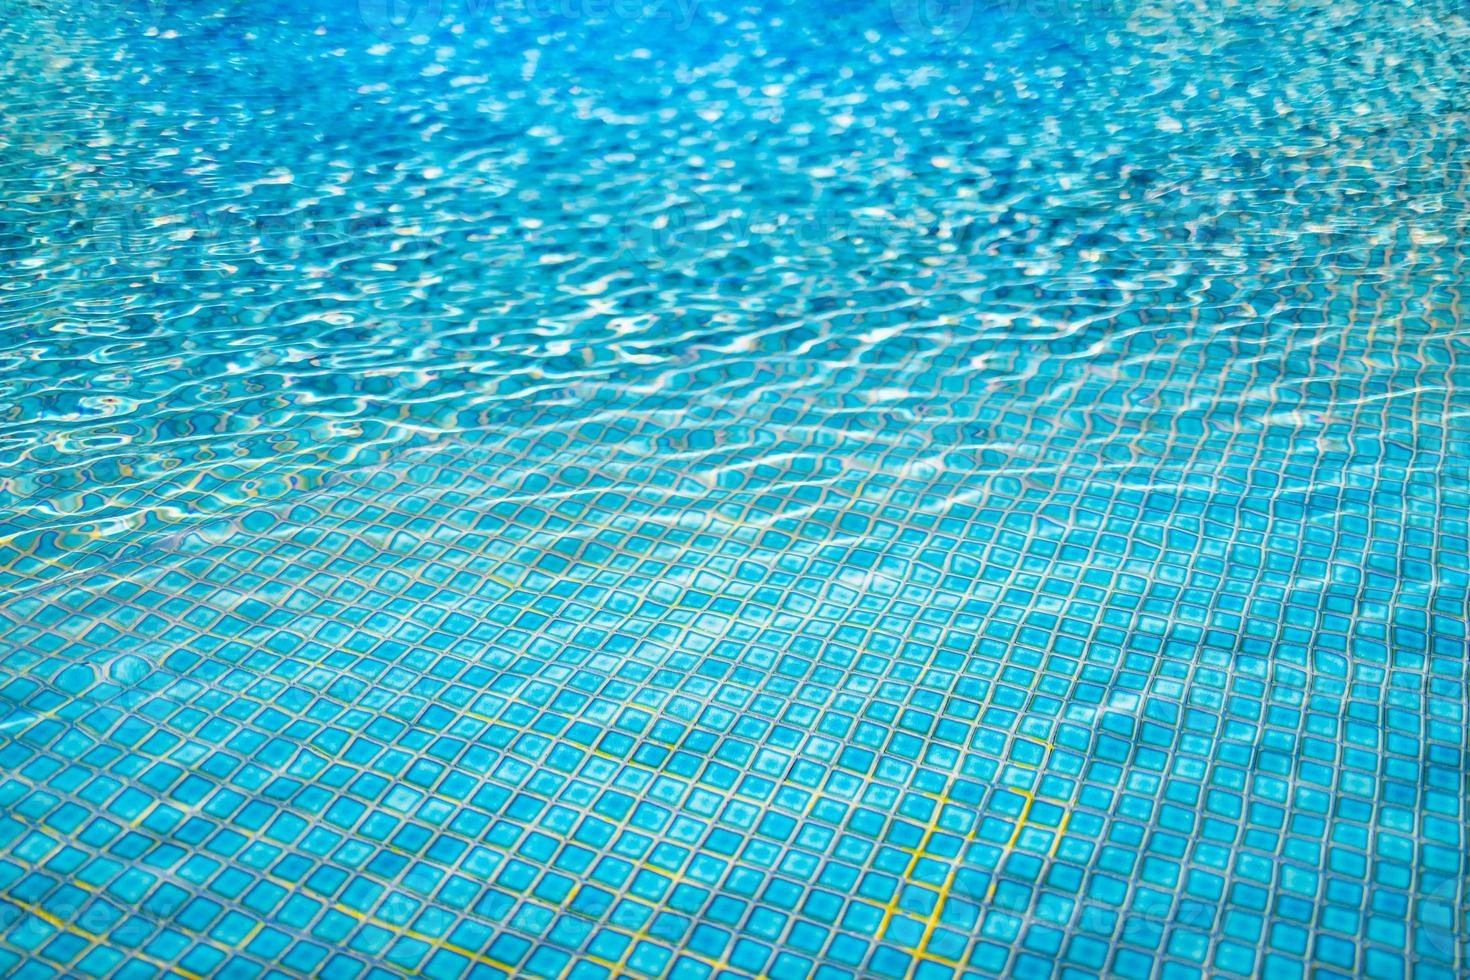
(585, 489)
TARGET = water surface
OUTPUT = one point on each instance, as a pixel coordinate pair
(712, 490)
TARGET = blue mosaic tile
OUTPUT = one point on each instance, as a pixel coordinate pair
(709, 491)
(608, 726)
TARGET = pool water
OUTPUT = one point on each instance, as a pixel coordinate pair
(583, 488)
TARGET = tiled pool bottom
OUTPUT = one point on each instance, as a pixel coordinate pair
(784, 492)
(591, 697)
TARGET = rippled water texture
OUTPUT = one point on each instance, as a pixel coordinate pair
(565, 488)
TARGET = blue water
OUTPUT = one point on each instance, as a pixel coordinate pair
(582, 488)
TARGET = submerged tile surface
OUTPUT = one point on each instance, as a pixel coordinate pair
(777, 491)
(550, 704)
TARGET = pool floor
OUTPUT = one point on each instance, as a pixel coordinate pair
(777, 491)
